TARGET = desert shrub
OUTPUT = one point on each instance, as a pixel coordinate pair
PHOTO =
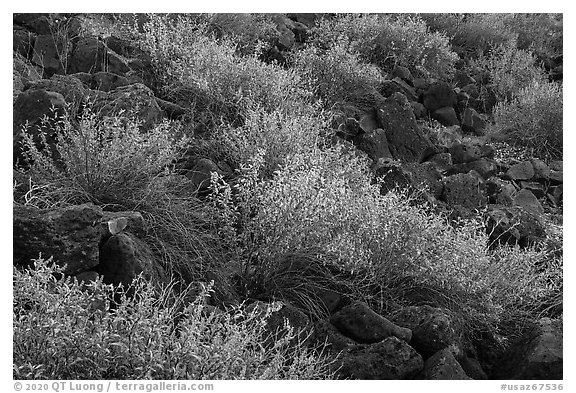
(277, 134)
(510, 69)
(539, 33)
(105, 161)
(335, 74)
(321, 209)
(533, 119)
(472, 34)
(209, 76)
(65, 330)
(389, 40)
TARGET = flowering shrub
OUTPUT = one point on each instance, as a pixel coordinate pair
(386, 41)
(533, 119)
(66, 330)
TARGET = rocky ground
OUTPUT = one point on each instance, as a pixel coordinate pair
(425, 136)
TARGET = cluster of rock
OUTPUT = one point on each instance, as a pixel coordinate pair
(447, 169)
(58, 71)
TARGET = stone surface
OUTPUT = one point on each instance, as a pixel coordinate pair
(443, 365)
(132, 100)
(326, 334)
(124, 256)
(470, 151)
(67, 234)
(71, 88)
(374, 144)
(91, 55)
(49, 55)
(473, 122)
(521, 171)
(389, 359)
(200, 174)
(442, 161)
(514, 225)
(40, 111)
(405, 139)
(362, 324)
(541, 170)
(466, 190)
(397, 85)
(527, 201)
(438, 95)
(537, 355)
(432, 328)
(486, 167)
(446, 116)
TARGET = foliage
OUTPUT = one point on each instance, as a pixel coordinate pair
(510, 70)
(321, 209)
(67, 330)
(390, 40)
(336, 74)
(533, 119)
(105, 161)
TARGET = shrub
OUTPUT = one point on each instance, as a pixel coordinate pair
(533, 119)
(386, 41)
(510, 69)
(321, 209)
(207, 75)
(104, 161)
(336, 74)
(64, 330)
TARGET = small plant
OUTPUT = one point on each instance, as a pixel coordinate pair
(533, 119)
(66, 330)
(390, 40)
(336, 74)
(105, 161)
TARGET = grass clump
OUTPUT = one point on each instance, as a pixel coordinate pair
(64, 330)
(533, 119)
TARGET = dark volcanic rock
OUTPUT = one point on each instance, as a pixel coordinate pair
(406, 141)
(438, 95)
(443, 365)
(67, 234)
(389, 359)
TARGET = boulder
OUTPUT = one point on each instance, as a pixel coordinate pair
(35, 22)
(473, 122)
(442, 161)
(521, 171)
(23, 42)
(40, 110)
(124, 256)
(470, 151)
(388, 87)
(133, 100)
(433, 329)
(67, 234)
(49, 55)
(513, 225)
(500, 191)
(279, 316)
(466, 190)
(91, 55)
(418, 109)
(374, 144)
(426, 176)
(438, 95)
(443, 365)
(556, 177)
(71, 88)
(326, 335)
(486, 167)
(368, 122)
(536, 188)
(361, 323)
(405, 139)
(527, 201)
(541, 170)
(403, 73)
(538, 354)
(201, 173)
(389, 359)
(446, 115)
(103, 81)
